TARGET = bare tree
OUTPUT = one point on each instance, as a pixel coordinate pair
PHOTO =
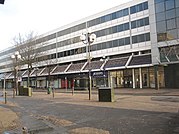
(27, 47)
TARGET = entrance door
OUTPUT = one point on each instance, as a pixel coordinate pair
(128, 78)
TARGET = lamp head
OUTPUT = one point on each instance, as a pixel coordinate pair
(12, 56)
(92, 37)
(82, 37)
(17, 53)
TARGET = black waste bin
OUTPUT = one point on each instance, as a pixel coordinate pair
(106, 94)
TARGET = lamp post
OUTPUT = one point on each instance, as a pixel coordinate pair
(15, 58)
(103, 59)
(88, 38)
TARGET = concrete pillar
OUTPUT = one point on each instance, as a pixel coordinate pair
(156, 77)
(140, 77)
(133, 78)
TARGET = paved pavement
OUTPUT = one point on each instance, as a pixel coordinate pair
(135, 111)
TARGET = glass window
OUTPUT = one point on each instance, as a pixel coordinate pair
(119, 14)
(146, 20)
(134, 39)
(114, 15)
(103, 45)
(161, 27)
(158, 1)
(120, 28)
(125, 12)
(133, 9)
(170, 14)
(171, 24)
(109, 44)
(115, 43)
(114, 29)
(147, 37)
(121, 42)
(93, 48)
(160, 7)
(160, 16)
(145, 5)
(126, 26)
(102, 19)
(107, 18)
(127, 41)
(161, 37)
(133, 24)
(177, 21)
(172, 34)
(169, 4)
(177, 3)
(140, 23)
(139, 7)
(177, 12)
(98, 46)
(141, 38)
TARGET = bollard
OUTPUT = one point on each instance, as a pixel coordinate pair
(5, 97)
(24, 130)
(53, 92)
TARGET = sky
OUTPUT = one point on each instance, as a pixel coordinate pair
(41, 16)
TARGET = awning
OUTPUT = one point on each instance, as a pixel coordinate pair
(95, 65)
(59, 69)
(116, 63)
(75, 67)
(140, 60)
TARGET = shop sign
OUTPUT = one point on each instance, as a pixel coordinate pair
(99, 74)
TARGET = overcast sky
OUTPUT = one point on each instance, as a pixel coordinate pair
(41, 16)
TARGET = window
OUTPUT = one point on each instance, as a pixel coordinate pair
(126, 26)
(115, 43)
(171, 24)
(125, 12)
(161, 27)
(146, 20)
(119, 14)
(127, 41)
(121, 42)
(114, 16)
(133, 10)
(114, 29)
(134, 39)
(170, 14)
(159, 7)
(133, 24)
(160, 16)
(176, 3)
(172, 34)
(141, 38)
(147, 37)
(145, 5)
(158, 1)
(169, 4)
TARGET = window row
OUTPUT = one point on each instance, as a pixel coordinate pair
(164, 26)
(112, 30)
(140, 38)
(118, 14)
(165, 5)
(99, 46)
(169, 35)
(139, 7)
(140, 23)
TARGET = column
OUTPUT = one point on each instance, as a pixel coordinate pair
(133, 78)
(140, 77)
(156, 77)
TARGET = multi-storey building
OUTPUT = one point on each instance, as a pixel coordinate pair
(136, 47)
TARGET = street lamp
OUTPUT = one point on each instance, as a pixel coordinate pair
(88, 38)
(103, 59)
(15, 58)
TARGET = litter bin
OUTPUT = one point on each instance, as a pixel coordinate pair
(49, 90)
(25, 91)
(106, 94)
